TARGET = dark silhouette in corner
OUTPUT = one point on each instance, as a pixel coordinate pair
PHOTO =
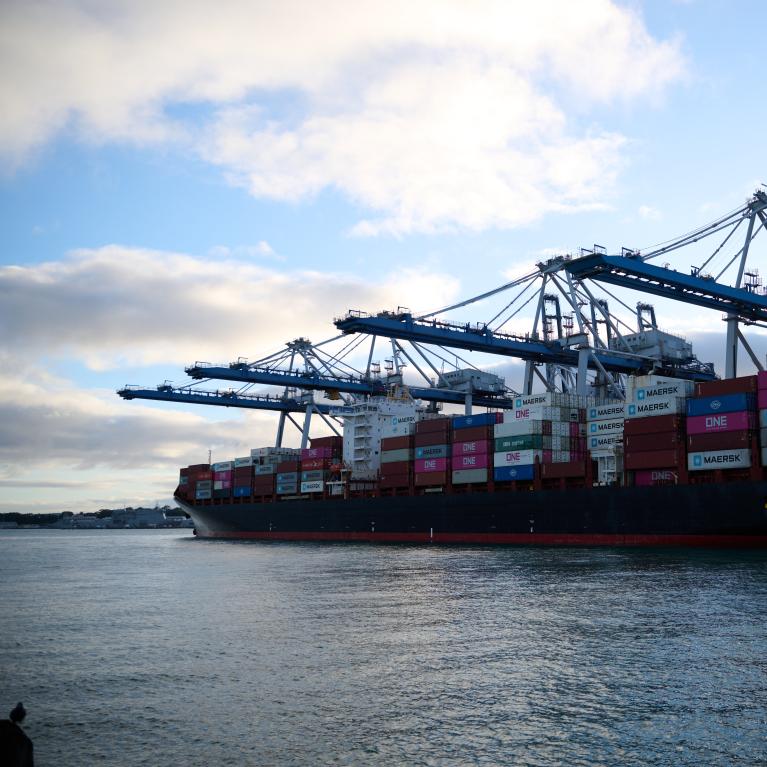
(15, 745)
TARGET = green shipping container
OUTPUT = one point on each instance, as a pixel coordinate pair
(519, 442)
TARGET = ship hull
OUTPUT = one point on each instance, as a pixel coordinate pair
(732, 515)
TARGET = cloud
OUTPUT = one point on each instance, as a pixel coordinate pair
(432, 116)
(261, 249)
(648, 213)
(115, 306)
(49, 422)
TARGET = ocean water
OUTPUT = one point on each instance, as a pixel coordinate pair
(153, 648)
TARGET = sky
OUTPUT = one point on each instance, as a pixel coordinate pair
(183, 181)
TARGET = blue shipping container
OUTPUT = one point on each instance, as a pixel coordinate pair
(467, 421)
(242, 492)
(505, 473)
(725, 403)
(287, 476)
(432, 451)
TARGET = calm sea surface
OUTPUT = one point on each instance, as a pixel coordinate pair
(153, 648)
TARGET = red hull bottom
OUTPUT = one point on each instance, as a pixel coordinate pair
(514, 539)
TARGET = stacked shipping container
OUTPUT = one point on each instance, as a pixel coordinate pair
(722, 424)
(432, 452)
(472, 448)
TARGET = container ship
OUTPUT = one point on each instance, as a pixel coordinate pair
(674, 464)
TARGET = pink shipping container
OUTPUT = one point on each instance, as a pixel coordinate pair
(475, 447)
(317, 452)
(761, 379)
(478, 461)
(425, 465)
(704, 424)
(645, 477)
(761, 398)
(222, 475)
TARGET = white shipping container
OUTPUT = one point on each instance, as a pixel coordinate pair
(634, 383)
(604, 442)
(608, 411)
(560, 456)
(719, 459)
(656, 406)
(763, 419)
(598, 428)
(660, 392)
(518, 428)
(550, 399)
(315, 486)
(516, 457)
(764, 456)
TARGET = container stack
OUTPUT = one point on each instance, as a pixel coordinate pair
(604, 430)
(315, 465)
(654, 432)
(286, 480)
(472, 448)
(243, 477)
(546, 429)
(721, 426)
(396, 462)
(192, 479)
(265, 463)
(223, 472)
(432, 452)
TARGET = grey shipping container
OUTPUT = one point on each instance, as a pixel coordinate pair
(287, 488)
(391, 456)
(464, 476)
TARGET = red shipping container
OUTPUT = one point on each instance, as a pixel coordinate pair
(335, 443)
(654, 459)
(424, 465)
(761, 399)
(397, 443)
(431, 478)
(703, 424)
(474, 447)
(726, 386)
(394, 480)
(645, 477)
(560, 470)
(396, 467)
(655, 424)
(311, 464)
(722, 440)
(477, 461)
(637, 443)
(474, 433)
(201, 475)
(263, 483)
(199, 467)
(227, 475)
(431, 438)
(433, 425)
(286, 466)
(243, 471)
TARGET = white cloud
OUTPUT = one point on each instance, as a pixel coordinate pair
(648, 213)
(116, 306)
(432, 116)
(261, 249)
